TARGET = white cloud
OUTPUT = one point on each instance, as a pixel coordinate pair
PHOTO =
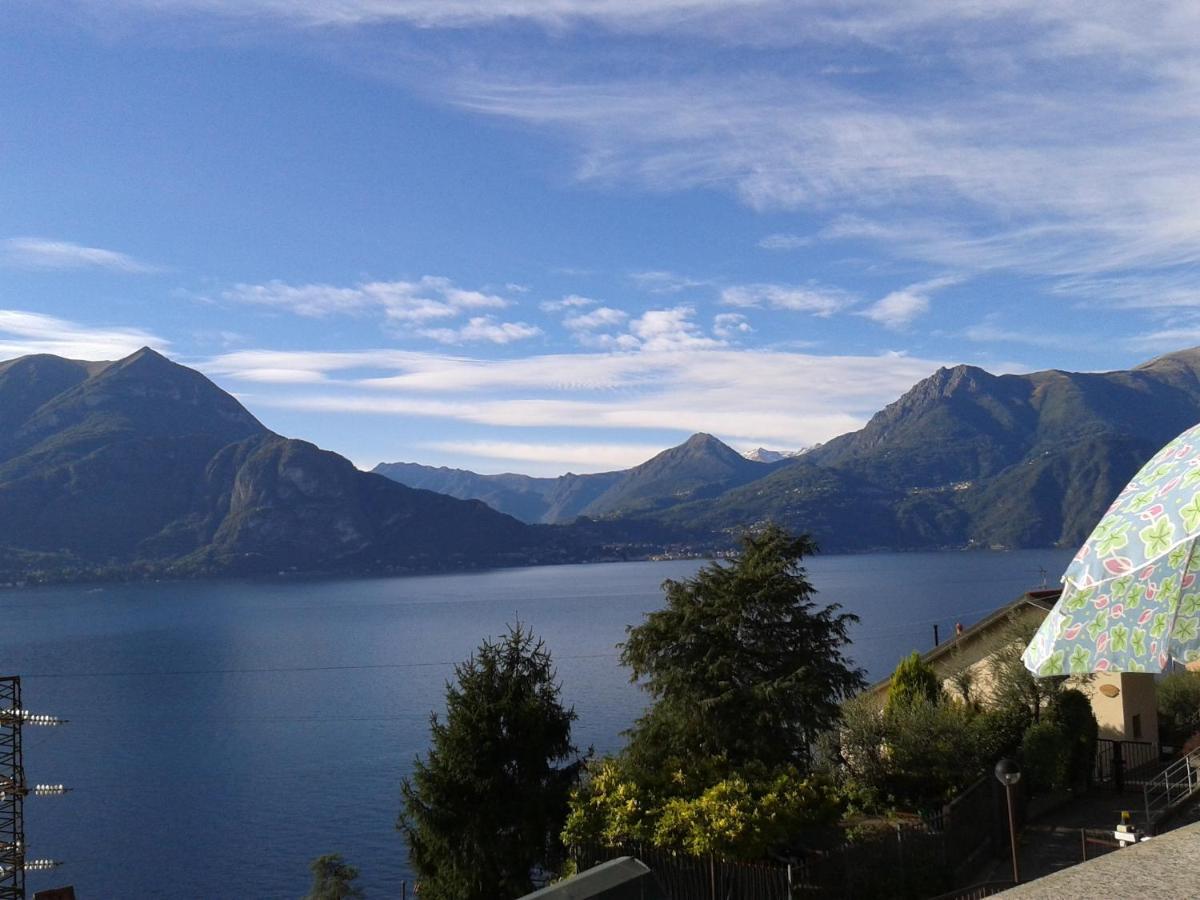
(1046, 136)
(571, 301)
(579, 458)
(39, 253)
(1059, 27)
(406, 303)
(601, 317)
(713, 389)
(898, 309)
(730, 325)
(901, 308)
(780, 241)
(1034, 162)
(670, 329)
(666, 282)
(990, 331)
(818, 300)
(482, 329)
(23, 333)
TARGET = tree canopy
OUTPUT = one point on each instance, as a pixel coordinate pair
(333, 879)
(487, 805)
(743, 665)
(744, 669)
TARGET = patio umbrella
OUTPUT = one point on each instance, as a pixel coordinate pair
(1131, 600)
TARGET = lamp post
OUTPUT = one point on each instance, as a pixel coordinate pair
(1008, 773)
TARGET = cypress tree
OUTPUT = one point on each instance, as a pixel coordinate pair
(913, 679)
(484, 810)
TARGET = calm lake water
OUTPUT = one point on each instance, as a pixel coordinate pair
(225, 733)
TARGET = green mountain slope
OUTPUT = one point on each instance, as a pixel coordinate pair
(143, 465)
(966, 458)
(546, 500)
(702, 466)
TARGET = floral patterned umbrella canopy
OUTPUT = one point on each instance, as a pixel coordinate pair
(1131, 599)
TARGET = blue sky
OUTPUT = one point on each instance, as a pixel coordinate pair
(552, 235)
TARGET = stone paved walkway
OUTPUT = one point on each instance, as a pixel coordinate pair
(1053, 842)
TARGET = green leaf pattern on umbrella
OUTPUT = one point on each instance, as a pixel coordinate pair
(1129, 624)
(1131, 596)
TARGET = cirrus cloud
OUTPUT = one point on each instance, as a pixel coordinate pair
(41, 253)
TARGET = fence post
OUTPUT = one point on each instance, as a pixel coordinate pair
(789, 881)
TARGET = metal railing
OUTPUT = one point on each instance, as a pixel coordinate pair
(1121, 762)
(1170, 787)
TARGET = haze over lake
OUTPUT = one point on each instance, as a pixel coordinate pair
(225, 733)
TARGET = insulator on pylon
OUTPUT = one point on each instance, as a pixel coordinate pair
(49, 790)
(41, 719)
(41, 865)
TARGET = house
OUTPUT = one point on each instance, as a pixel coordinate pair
(1125, 703)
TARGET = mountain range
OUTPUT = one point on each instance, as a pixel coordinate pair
(963, 459)
(700, 467)
(145, 468)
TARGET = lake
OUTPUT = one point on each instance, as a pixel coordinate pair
(222, 734)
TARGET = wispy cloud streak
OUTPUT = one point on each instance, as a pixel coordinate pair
(42, 253)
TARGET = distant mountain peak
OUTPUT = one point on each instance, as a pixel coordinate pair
(147, 357)
(763, 455)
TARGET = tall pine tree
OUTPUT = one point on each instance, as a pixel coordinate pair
(485, 808)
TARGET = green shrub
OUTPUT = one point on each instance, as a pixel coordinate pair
(1045, 757)
(1071, 710)
(913, 679)
(1179, 707)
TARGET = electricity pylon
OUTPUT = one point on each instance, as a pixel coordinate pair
(13, 790)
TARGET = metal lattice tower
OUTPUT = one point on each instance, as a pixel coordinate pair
(12, 791)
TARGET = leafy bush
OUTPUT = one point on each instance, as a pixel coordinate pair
(1179, 707)
(913, 679)
(1046, 757)
(1071, 710)
(912, 755)
(736, 818)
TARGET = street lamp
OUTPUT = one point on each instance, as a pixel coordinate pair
(1008, 773)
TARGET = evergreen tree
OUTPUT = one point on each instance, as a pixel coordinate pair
(914, 678)
(744, 667)
(487, 805)
(333, 879)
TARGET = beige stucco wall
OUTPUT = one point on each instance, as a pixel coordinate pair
(1136, 697)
